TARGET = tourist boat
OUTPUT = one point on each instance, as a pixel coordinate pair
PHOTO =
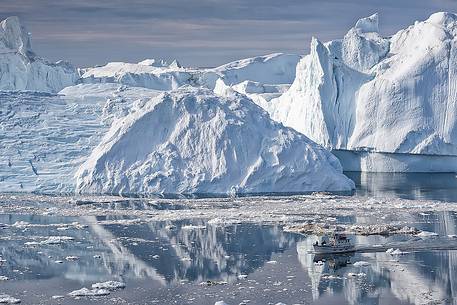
(335, 243)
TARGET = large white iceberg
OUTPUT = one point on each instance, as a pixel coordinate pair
(268, 69)
(382, 103)
(192, 141)
(22, 69)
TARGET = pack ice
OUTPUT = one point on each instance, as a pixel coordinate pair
(380, 103)
(22, 69)
(193, 141)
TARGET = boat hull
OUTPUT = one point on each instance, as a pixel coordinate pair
(333, 249)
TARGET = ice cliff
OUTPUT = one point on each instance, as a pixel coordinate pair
(371, 93)
(22, 69)
(193, 141)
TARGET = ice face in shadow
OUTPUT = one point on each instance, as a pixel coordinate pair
(372, 93)
(22, 69)
(191, 141)
(46, 137)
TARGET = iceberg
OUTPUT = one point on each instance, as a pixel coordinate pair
(21, 69)
(154, 74)
(380, 103)
(192, 141)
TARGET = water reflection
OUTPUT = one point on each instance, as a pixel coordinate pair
(436, 186)
(163, 254)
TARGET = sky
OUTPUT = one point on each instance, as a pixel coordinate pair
(199, 33)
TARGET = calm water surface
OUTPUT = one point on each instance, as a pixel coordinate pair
(193, 262)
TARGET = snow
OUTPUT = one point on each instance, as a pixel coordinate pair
(353, 94)
(22, 69)
(193, 141)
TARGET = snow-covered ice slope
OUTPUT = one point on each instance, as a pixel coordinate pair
(192, 141)
(44, 138)
(372, 93)
(21, 69)
(269, 69)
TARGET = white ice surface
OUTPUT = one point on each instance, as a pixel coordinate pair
(22, 69)
(268, 69)
(372, 93)
(46, 137)
(86, 292)
(193, 141)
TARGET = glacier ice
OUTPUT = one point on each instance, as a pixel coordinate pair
(382, 95)
(159, 75)
(193, 141)
(44, 138)
(22, 69)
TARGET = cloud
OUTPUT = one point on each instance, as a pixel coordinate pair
(199, 32)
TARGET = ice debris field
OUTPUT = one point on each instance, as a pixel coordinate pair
(276, 123)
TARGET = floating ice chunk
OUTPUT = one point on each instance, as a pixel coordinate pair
(330, 277)
(3, 278)
(53, 240)
(109, 285)
(31, 243)
(361, 264)
(20, 224)
(220, 303)
(6, 299)
(352, 274)
(393, 251)
(57, 297)
(72, 258)
(426, 234)
(86, 292)
(272, 262)
(193, 227)
(213, 283)
(398, 252)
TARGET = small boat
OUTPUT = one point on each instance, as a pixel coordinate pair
(335, 243)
